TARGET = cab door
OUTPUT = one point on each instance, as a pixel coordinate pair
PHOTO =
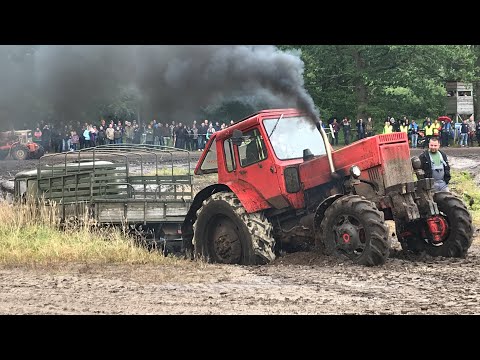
(257, 167)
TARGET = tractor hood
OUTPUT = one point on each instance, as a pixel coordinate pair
(381, 156)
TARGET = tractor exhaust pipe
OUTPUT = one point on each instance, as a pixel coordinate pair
(327, 148)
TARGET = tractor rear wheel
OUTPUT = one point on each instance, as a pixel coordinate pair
(225, 233)
(354, 228)
(20, 152)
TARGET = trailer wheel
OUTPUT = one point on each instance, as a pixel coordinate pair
(20, 152)
(225, 233)
(354, 228)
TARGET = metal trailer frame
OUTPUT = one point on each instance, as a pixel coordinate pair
(121, 184)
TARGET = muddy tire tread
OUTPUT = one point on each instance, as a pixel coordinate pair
(260, 228)
(377, 250)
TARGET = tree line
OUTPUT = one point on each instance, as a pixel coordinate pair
(355, 81)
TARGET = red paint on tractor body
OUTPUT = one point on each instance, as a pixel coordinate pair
(438, 227)
(388, 154)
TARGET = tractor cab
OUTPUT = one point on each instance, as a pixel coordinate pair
(283, 136)
(261, 154)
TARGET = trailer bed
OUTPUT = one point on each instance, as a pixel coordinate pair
(114, 184)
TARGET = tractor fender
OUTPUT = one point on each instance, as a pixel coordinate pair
(320, 211)
(251, 200)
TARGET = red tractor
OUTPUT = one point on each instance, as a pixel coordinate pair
(282, 188)
(19, 145)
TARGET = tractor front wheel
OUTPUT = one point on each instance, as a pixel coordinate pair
(354, 228)
(454, 235)
(459, 235)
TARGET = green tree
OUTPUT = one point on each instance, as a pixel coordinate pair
(381, 80)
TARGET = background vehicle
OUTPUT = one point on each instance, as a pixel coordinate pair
(280, 187)
(19, 145)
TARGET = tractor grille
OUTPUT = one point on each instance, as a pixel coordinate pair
(393, 137)
(374, 174)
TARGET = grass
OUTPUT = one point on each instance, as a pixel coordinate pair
(31, 236)
(463, 184)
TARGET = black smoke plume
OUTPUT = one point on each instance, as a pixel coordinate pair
(170, 82)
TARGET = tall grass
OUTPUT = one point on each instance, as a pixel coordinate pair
(31, 235)
(463, 184)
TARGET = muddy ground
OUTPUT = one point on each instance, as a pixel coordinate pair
(300, 283)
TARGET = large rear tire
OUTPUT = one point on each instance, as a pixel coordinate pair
(225, 233)
(354, 228)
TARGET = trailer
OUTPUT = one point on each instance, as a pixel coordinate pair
(145, 188)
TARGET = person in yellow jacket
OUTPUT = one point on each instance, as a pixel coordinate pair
(437, 127)
(404, 127)
(388, 128)
(428, 132)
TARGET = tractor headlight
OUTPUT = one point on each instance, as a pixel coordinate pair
(355, 171)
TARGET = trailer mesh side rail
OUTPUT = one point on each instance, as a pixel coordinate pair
(120, 183)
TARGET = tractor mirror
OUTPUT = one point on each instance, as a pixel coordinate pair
(237, 137)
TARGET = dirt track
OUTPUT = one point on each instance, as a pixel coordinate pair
(296, 284)
(301, 283)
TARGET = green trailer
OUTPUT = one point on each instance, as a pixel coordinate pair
(144, 187)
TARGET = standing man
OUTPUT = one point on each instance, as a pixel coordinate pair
(428, 131)
(346, 126)
(477, 131)
(464, 133)
(360, 129)
(369, 128)
(435, 165)
(202, 135)
(110, 134)
(471, 131)
(413, 128)
(336, 130)
(388, 128)
(446, 131)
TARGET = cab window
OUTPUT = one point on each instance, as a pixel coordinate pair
(229, 157)
(252, 149)
(210, 162)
